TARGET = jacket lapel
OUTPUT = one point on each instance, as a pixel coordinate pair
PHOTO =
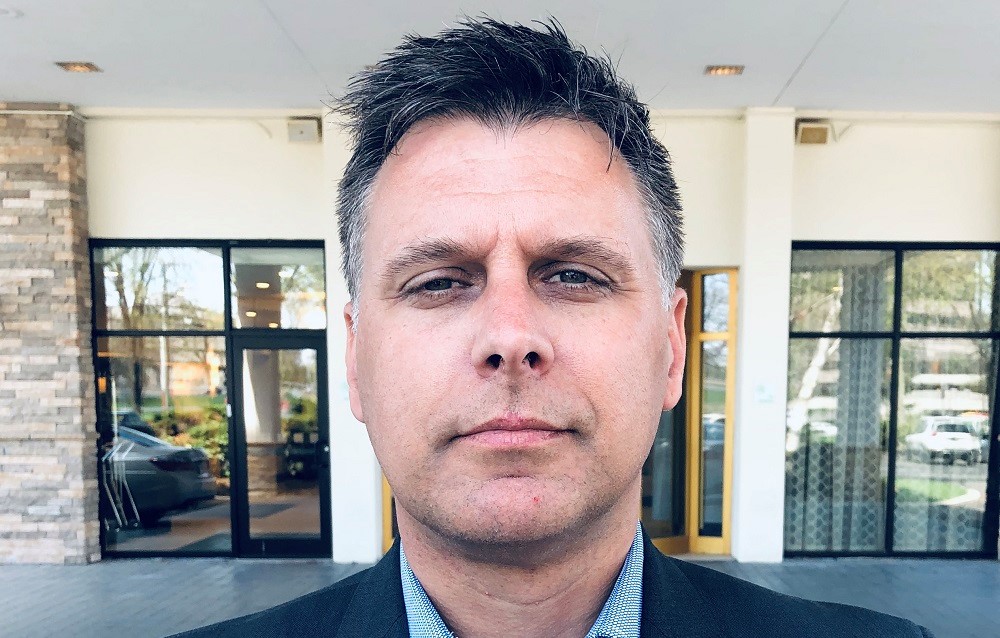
(377, 609)
(671, 606)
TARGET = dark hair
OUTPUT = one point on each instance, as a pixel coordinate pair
(504, 76)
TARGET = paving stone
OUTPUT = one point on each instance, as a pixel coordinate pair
(151, 598)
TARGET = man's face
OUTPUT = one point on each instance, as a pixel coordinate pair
(513, 351)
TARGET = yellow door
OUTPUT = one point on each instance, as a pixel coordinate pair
(687, 478)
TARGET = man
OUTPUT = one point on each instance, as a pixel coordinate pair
(511, 236)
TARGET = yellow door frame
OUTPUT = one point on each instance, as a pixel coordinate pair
(692, 541)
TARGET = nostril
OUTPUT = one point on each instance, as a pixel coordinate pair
(494, 360)
(532, 359)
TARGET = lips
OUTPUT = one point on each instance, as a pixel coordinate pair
(512, 431)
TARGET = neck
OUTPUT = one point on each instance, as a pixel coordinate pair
(554, 589)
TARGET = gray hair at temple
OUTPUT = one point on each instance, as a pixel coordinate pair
(503, 76)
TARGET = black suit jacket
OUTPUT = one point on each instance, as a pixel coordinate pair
(679, 600)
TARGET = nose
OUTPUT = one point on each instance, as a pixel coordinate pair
(511, 339)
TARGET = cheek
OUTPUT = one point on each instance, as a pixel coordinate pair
(623, 371)
(403, 375)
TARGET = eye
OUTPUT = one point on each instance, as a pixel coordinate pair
(572, 277)
(438, 285)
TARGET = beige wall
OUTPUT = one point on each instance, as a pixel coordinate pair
(225, 177)
(897, 180)
(708, 165)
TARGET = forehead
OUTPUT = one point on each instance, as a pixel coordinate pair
(463, 179)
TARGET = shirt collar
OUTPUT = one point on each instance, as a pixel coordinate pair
(619, 618)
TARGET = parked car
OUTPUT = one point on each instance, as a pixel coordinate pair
(946, 439)
(159, 476)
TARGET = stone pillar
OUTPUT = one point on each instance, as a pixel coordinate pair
(48, 466)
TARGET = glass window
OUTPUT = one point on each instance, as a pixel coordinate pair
(714, 361)
(834, 290)
(941, 421)
(835, 455)
(164, 443)
(281, 421)
(278, 288)
(158, 288)
(663, 478)
(943, 443)
(715, 302)
(949, 290)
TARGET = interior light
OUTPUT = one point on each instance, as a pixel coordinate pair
(111, 273)
(250, 313)
(263, 285)
(273, 324)
(79, 67)
(724, 69)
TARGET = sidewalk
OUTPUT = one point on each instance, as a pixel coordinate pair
(150, 598)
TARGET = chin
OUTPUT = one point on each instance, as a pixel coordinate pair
(501, 516)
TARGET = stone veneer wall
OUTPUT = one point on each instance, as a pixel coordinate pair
(48, 469)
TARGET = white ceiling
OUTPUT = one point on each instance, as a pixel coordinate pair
(887, 55)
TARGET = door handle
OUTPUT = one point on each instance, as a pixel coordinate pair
(323, 453)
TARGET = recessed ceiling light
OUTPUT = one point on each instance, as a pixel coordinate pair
(79, 67)
(250, 313)
(10, 13)
(724, 69)
(263, 285)
(273, 324)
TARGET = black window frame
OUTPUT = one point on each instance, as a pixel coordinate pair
(228, 333)
(895, 335)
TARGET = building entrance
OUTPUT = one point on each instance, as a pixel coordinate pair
(211, 398)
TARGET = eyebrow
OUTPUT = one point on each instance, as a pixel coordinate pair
(586, 247)
(424, 252)
(589, 248)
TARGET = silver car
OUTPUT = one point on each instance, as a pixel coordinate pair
(148, 477)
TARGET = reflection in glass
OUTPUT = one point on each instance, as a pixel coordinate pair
(943, 443)
(278, 288)
(663, 479)
(949, 290)
(841, 290)
(713, 435)
(164, 444)
(835, 457)
(158, 288)
(282, 434)
(715, 302)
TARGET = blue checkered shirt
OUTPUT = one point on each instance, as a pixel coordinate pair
(619, 617)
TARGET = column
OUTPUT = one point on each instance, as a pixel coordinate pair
(48, 449)
(762, 336)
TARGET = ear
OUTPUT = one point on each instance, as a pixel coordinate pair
(678, 349)
(351, 359)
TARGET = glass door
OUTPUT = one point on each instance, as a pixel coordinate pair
(282, 450)
(687, 477)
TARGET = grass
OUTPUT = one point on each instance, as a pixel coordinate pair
(926, 490)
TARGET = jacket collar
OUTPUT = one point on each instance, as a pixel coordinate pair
(376, 610)
(671, 606)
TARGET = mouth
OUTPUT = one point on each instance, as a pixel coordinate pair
(512, 431)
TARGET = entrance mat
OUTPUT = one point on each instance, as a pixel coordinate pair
(221, 511)
(263, 510)
(214, 544)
